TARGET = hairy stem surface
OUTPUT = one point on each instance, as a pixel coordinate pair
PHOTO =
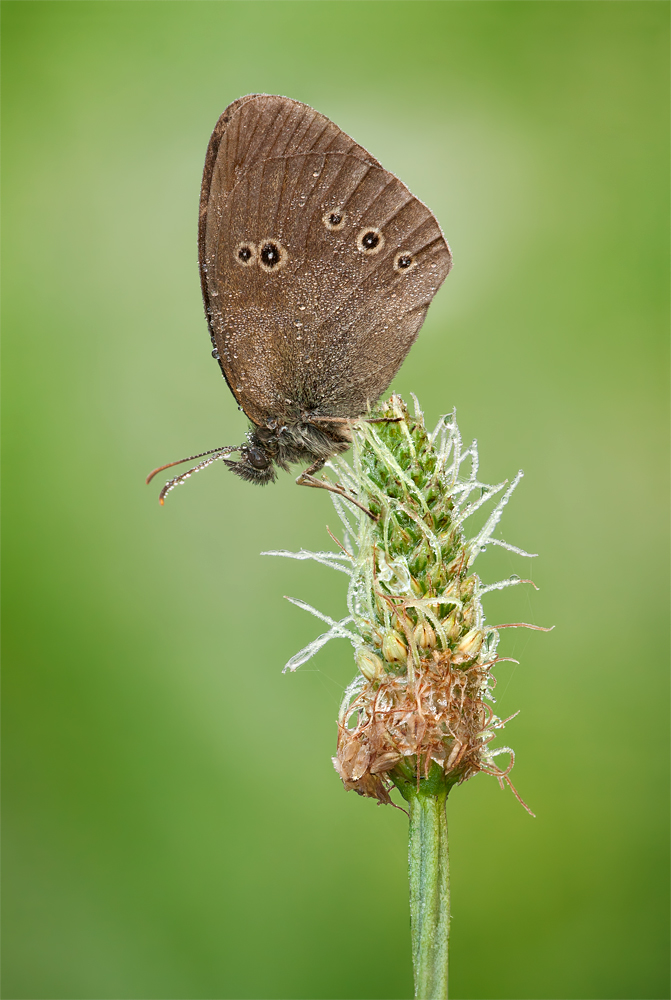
(429, 872)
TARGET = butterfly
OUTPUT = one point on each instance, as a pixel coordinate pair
(317, 268)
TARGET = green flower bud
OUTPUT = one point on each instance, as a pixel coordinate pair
(452, 625)
(471, 643)
(394, 649)
(424, 636)
(369, 664)
(468, 615)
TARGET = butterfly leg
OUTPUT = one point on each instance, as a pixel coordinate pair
(307, 478)
(350, 420)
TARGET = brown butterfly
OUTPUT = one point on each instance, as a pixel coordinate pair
(317, 267)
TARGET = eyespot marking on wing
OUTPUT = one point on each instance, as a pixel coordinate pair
(370, 240)
(245, 254)
(334, 219)
(272, 255)
(404, 261)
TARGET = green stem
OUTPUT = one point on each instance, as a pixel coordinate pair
(429, 872)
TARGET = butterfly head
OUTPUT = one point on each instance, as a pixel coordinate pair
(255, 464)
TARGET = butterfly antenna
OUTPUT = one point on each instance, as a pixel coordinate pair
(191, 458)
(178, 480)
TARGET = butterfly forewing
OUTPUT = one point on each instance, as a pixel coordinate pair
(260, 126)
(318, 265)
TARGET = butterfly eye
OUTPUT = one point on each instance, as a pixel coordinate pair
(334, 219)
(370, 241)
(272, 255)
(257, 459)
(404, 262)
(245, 254)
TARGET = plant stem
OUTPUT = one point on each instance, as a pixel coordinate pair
(429, 872)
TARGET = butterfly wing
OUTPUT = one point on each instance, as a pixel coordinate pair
(256, 127)
(352, 261)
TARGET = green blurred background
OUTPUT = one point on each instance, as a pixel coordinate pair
(173, 824)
